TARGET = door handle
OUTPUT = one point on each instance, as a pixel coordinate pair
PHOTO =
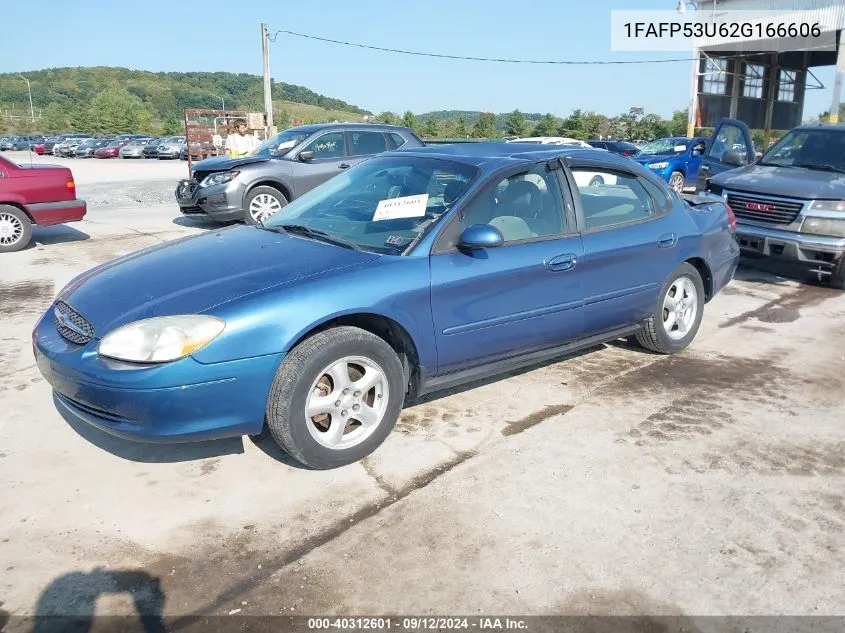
(667, 240)
(562, 262)
(705, 168)
(343, 166)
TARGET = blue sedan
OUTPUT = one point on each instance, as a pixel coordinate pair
(674, 159)
(411, 272)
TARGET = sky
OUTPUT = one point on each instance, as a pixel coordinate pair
(212, 35)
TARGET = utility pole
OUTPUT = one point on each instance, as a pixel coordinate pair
(692, 114)
(268, 86)
(837, 80)
(29, 90)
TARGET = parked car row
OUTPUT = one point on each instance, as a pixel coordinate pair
(121, 146)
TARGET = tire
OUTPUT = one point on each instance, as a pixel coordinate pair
(267, 202)
(303, 379)
(676, 181)
(655, 335)
(837, 277)
(15, 229)
(596, 181)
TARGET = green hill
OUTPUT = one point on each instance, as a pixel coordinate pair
(105, 99)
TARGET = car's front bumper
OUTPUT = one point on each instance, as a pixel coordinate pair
(221, 203)
(816, 250)
(172, 402)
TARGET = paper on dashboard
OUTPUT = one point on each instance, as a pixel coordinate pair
(404, 207)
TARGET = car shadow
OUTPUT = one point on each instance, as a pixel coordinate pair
(69, 602)
(56, 234)
(765, 270)
(266, 445)
(198, 223)
(149, 453)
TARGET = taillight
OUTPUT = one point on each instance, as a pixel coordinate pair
(71, 186)
(731, 217)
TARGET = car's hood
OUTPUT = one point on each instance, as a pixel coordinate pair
(225, 163)
(645, 159)
(193, 274)
(791, 182)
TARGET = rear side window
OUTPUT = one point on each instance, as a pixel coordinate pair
(611, 199)
(396, 140)
(367, 143)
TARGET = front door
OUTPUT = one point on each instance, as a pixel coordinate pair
(730, 147)
(330, 159)
(525, 295)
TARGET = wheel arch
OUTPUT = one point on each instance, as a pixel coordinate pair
(389, 329)
(19, 207)
(706, 275)
(269, 182)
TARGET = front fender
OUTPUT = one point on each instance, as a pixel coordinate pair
(271, 321)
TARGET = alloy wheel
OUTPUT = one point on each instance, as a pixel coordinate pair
(263, 206)
(680, 308)
(11, 229)
(677, 182)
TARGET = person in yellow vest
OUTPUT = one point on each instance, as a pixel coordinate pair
(239, 143)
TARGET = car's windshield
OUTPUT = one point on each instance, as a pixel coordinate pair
(173, 139)
(382, 205)
(281, 142)
(114, 144)
(822, 149)
(665, 146)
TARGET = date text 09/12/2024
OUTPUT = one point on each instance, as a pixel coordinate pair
(417, 624)
(735, 30)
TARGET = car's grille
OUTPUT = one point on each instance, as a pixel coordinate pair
(766, 210)
(71, 325)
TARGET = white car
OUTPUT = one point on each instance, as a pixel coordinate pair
(582, 178)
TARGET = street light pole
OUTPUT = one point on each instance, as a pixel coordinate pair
(29, 90)
(222, 100)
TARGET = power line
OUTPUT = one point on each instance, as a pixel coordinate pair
(482, 59)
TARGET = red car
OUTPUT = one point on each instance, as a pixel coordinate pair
(112, 150)
(34, 194)
(39, 149)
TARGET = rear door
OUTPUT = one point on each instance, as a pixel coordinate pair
(330, 159)
(730, 147)
(630, 242)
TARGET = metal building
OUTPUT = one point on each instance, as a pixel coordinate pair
(764, 89)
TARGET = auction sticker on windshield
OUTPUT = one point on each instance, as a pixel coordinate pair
(404, 207)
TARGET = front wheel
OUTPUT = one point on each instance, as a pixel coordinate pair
(15, 229)
(676, 181)
(262, 203)
(837, 277)
(336, 397)
(678, 313)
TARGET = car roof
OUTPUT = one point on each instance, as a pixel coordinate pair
(316, 127)
(833, 127)
(494, 155)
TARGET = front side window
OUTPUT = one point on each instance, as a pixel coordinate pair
(729, 137)
(329, 145)
(523, 207)
(753, 81)
(367, 143)
(611, 199)
(382, 205)
(715, 76)
(786, 85)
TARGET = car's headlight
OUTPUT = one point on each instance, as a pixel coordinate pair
(219, 178)
(161, 339)
(827, 205)
(660, 165)
(832, 227)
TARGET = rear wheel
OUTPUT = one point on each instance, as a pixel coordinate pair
(262, 203)
(676, 181)
(596, 181)
(677, 315)
(336, 397)
(15, 229)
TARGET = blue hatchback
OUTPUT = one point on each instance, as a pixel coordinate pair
(411, 272)
(675, 159)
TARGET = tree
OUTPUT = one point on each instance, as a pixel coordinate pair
(431, 127)
(116, 111)
(546, 126)
(516, 125)
(388, 117)
(678, 125)
(173, 126)
(485, 127)
(56, 117)
(461, 130)
(2, 124)
(409, 120)
(573, 126)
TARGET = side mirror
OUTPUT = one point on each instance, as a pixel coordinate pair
(481, 236)
(734, 157)
(696, 153)
(306, 156)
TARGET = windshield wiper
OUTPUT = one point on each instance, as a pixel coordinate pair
(823, 167)
(315, 234)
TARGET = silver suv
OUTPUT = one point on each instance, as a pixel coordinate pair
(284, 167)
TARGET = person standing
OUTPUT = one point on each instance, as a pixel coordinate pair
(239, 143)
